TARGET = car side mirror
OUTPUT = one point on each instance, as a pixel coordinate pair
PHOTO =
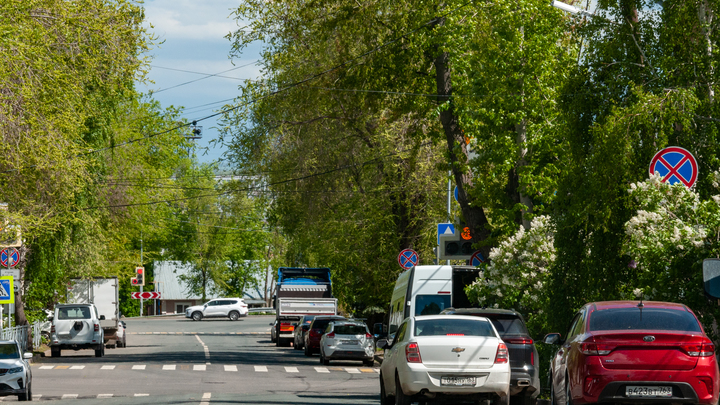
(205, 306)
(382, 344)
(552, 339)
(102, 317)
(27, 356)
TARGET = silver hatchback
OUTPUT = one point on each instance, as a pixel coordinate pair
(347, 340)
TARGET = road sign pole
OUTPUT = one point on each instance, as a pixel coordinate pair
(449, 206)
(7, 254)
(141, 265)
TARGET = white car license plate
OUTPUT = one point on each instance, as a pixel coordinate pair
(349, 342)
(457, 381)
(643, 391)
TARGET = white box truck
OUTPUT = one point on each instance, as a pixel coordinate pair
(103, 293)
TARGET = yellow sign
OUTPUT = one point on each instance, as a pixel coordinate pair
(7, 294)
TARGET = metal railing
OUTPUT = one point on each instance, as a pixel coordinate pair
(18, 333)
(36, 334)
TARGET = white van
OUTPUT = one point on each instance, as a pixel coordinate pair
(427, 290)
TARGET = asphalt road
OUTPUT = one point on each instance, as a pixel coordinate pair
(174, 360)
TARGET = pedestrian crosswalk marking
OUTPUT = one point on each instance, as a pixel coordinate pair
(261, 369)
(291, 369)
(199, 367)
(230, 368)
(352, 370)
(69, 396)
(211, 368)
(46, 367)
(322, 370)
(62, 367)
(77, 367)
(105, 367)
(142, 395)
(367, 370)
(138, 367)
(169, 367)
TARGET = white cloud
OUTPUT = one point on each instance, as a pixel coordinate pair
(187, 19)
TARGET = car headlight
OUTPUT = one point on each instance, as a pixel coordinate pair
(15, 370)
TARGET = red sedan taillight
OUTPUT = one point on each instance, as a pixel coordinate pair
(595, 349)
(412, 353)
(502, 354)
(702, 349)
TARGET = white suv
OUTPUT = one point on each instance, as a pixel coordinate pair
(76, 326)
(232, 308)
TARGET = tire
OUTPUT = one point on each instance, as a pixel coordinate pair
(384, 398)
(323, 360)
(99, 352)
(30, 398)
(400, 397)
(568, 396)
(197, 315)
(526, 400)
(27, 395)
(234, 316)
(55, 352)
(296, 346)
(308, 353)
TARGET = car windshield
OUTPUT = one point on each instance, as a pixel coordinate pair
(74, 313)
(646, 318)
(308, 319)
(350, 329)
(453, 327)
(322, 323)
(509, 326)
(9, 351)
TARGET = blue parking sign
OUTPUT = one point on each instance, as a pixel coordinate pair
(7, 295)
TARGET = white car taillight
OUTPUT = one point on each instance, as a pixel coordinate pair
(412, 353)
(97, 328)
(502, 354)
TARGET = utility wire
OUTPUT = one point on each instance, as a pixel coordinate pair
(207, 76)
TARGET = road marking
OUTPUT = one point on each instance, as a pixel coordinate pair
(199, 367)
(367, 370)
(138, 367)
(77, 367)
(169, 367)
(69, 396)
(230, 368)
(291, 369)
(336, 368)
(322, 370)
(261, 369)
(142, 395)
(105, 395)
(207, 351)
(46, 367)
(352, 370)
(62, 367)
(107, 368)
(205, 399)
(377, 370)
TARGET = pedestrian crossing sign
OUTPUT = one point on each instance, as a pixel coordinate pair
(7, 295)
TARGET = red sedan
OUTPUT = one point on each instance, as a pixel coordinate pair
(634, 352)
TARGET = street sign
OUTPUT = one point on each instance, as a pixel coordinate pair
(14, 273)
(408, 258)
(675, 165)
(148, 295)
(7, 289)
(477, 259)
(445, 229)
(456, 195)
(14, 257)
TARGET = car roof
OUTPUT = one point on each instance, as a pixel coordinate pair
(349, 322)
(72, 305)
(321, 317)
(489, 311)
(470, 317)
(634, 304)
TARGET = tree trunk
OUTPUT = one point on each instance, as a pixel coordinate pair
(474, 215)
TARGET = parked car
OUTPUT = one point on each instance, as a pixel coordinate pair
(634, 352)
(273, 331)
(76, 327)
(301, 328)
(315, 331)
(524, 370)
(16, 377)
(347, 340)
(121, 335)
(232, 308)
(445, 358)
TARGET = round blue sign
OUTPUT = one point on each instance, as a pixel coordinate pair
(408, 258)
(14, 257)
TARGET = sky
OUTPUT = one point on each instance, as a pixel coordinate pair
(191, 38)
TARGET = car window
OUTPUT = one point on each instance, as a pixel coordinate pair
(328, 328)
(509, 326)
(647, 318)
(453, 327)
(579, 325)
(73, 313)
(350, 329)
(401, 332)
(431, 304)
(9, 351)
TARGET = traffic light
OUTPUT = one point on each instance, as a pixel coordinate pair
(139, 278)
(457, 246)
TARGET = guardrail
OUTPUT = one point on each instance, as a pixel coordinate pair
(18, 333)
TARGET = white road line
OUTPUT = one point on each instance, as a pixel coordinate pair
(138, 367)
(69, 396)
(46, 367)
(377, 370)
(205, 399)
(291, 369)
(77, 367)
(207, 351)
(230, 368)
(107, 368)
(105, 395)
(322, 370)
(169, 367)
(261, 369)
(352, 370)
(142, 395)
(199, 367)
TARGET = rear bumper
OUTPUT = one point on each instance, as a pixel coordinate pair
(349, 354)
(524, 382)
(682, 393)
(417, 378)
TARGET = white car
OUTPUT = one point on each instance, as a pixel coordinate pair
(347, 340)
(445, 357)
(15, 373)
(232, 308)
(76, 327)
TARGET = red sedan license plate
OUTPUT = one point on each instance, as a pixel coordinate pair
(457, 381)
(644, 391)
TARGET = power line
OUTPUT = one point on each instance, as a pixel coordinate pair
(207, 76)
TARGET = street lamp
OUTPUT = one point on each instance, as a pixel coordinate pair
(570, 9)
